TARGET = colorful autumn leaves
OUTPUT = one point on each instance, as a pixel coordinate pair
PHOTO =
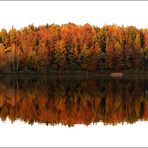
(74, 47)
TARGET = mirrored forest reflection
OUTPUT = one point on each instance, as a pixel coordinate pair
(71, 100)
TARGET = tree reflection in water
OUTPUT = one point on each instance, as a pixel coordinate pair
(73, 100)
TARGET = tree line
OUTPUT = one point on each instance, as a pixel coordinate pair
(47, 48)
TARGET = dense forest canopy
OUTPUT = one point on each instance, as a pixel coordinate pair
(110, 48)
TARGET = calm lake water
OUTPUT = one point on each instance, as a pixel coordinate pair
(71, 100)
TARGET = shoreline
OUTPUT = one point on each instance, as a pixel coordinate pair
(77, 74)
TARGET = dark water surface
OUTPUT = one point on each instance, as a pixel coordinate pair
(71, 100)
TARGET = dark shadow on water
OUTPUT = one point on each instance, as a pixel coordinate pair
(71, 100)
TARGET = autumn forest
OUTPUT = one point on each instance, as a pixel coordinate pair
(72, 47)
(73, 99)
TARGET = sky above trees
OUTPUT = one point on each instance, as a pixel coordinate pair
(20, 14)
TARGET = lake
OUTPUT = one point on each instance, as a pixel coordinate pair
(70, 100)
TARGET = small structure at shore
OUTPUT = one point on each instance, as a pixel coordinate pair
(117, 74)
